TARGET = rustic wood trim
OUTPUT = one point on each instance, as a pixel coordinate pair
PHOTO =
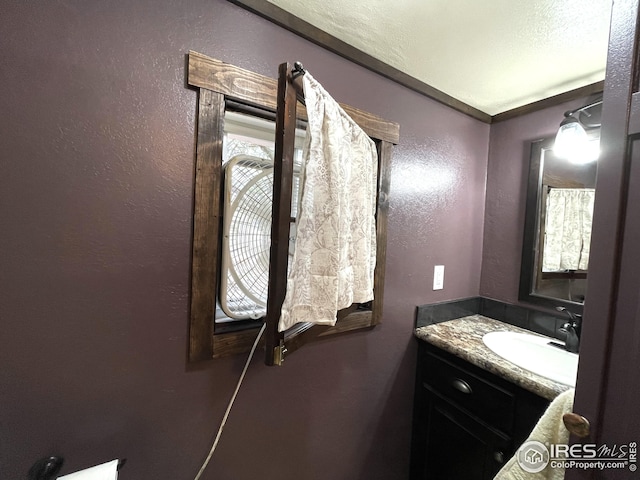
(231, 81)
(219, 82)
(206, 224)
(259, 91)
(281, 216)
(232, 343)
(354, 321)
(315, 35)
(580, 92)
(374, 126)
(382, 214)
(582, 274)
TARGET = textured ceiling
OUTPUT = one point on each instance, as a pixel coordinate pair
(494, 55)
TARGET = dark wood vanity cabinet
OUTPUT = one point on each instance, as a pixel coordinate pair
(467, 422)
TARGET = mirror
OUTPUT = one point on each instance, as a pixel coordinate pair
(557, 231)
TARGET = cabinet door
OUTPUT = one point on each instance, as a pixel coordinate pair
(460, 447)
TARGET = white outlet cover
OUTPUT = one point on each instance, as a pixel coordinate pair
(438, 277)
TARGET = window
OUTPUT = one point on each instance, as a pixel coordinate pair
(234, 155)
(248, 151)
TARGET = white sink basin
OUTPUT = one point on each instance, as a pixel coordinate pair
(534, 353)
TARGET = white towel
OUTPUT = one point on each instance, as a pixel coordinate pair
(549, 429)
(335, 249)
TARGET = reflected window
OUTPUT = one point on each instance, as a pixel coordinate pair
(567, 229)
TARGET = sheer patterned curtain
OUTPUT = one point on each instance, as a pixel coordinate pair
(335, 250)
(568, 220)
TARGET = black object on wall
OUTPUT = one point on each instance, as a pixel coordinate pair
(46, 468)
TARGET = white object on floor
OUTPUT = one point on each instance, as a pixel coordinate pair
(105, 471)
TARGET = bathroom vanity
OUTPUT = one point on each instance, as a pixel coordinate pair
(472, 409)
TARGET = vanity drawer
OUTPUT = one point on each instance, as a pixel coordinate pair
(483, 399)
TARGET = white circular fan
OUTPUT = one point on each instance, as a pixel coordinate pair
(246, 236)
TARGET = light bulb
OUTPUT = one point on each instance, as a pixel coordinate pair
(570, 139)
(586, 152)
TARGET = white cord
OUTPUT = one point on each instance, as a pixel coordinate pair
(233, 398)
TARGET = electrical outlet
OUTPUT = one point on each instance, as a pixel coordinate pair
(438, 277)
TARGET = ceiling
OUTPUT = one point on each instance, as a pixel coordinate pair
(493, 55)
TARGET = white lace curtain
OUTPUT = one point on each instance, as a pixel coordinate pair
(567, 229)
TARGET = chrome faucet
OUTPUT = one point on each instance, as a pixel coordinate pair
(572, 330)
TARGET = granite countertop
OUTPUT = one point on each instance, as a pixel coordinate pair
(463, 337)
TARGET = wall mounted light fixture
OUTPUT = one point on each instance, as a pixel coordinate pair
(578, 138)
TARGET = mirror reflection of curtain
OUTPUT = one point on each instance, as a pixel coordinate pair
(568, 220)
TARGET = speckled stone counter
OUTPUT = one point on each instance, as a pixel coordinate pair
(463, 337)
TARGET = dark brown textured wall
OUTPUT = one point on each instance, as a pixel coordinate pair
(96, 195)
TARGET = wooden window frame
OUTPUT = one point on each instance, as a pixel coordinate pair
(220, 84)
